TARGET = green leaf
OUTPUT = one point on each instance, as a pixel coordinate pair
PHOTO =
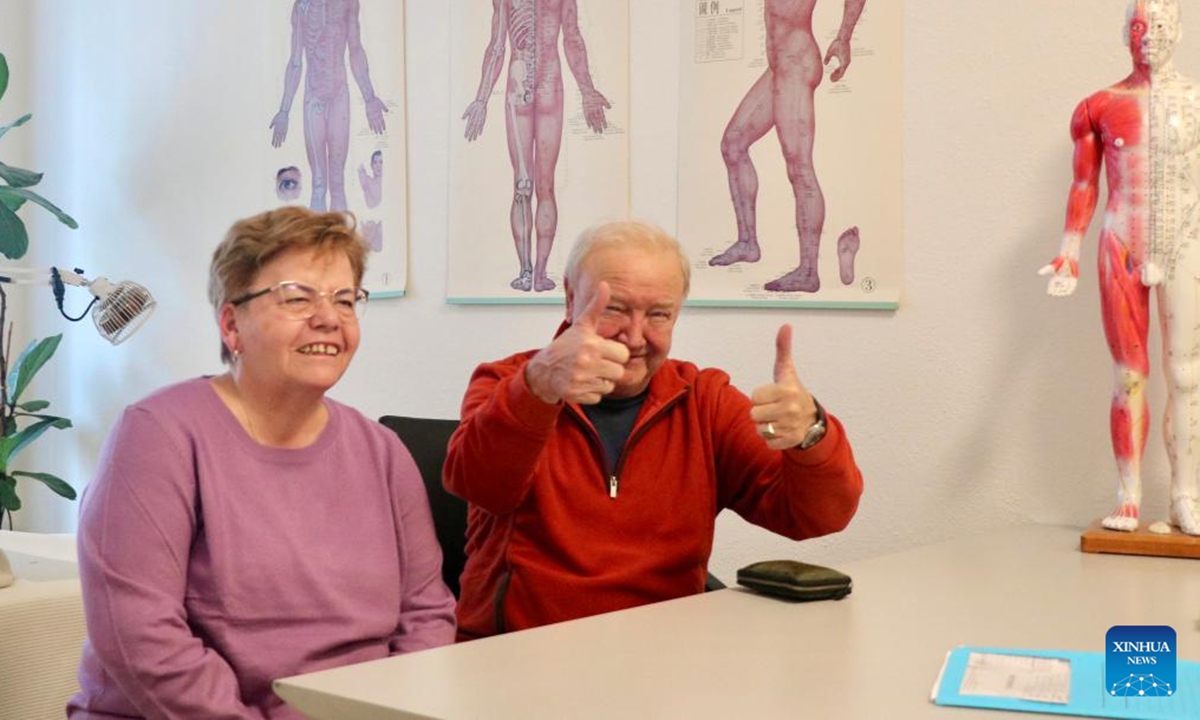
(14, 239)
(18, 178)
(34, 405)
(35, 355)
(59, 422)
(63, 218)
(8, 494)
(6, 445)
(55, 483)
(3, 75)
(12, 202)
(15, 123)
(11, 445)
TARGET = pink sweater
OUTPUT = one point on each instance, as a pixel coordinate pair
(212, 565)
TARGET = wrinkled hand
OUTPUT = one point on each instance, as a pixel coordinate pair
(375, 110)
(280, 124)
(1064, 272)
(475, 115)
(839, 49)
(784, 405)
(594, 105)
(579, 366)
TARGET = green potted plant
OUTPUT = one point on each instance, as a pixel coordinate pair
(21, 420)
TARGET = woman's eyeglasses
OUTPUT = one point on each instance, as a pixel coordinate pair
(300, 301)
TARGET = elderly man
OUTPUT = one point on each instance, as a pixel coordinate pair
(596, 466)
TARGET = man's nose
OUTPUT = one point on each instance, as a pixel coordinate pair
(633, 332)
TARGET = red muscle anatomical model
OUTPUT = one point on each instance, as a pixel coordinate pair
(1144, 130)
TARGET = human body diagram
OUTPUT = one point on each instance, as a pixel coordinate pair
(533, 116)
(782, 98)
(324, 34)
(1145, 130)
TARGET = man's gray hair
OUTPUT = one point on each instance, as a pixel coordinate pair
(624, 233)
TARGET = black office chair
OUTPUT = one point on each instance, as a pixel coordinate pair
(427, 440)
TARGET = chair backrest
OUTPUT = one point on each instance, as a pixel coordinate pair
(426, 439)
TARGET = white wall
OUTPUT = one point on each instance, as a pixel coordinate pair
(979, 403)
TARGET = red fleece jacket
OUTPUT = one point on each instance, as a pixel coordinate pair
(545, 540)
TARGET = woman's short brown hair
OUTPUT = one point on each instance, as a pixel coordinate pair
(254, 241)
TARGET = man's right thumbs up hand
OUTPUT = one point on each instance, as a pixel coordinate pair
(580, 366)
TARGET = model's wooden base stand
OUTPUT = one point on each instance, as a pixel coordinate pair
(1099, 539)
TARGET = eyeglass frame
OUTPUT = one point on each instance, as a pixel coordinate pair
(361, 296)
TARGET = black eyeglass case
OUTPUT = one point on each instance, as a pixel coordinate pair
(795, 580)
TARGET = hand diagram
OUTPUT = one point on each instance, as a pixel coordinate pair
(375, 110)
(280, 124)
(594, 105)
(476, 116)
(839, 49)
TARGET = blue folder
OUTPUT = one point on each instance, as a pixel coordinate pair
(1088, 696)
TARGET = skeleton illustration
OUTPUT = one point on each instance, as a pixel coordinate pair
(534, 116)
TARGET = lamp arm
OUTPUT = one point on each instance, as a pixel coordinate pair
(71, 277)
(24, 276)
(41, 276)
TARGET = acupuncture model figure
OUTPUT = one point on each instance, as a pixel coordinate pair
(1145, 129)
(533, 115)
(782, 98)
(324, 32)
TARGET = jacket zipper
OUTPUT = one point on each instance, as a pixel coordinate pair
(640, 430)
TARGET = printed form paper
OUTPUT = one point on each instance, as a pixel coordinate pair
(1040, 679)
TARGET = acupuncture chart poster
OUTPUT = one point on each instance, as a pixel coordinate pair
(535, 158)
(332, 150)
(766, 221)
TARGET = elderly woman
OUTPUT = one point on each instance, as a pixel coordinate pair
(245, 527)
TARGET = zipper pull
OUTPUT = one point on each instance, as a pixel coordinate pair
(612, 486)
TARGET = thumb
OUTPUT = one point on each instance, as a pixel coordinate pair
(784, 367)
(590, 317)
(1055, 266)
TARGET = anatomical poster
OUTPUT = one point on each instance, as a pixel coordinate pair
(790, 157)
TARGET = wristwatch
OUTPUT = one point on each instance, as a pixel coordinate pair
(816, 431)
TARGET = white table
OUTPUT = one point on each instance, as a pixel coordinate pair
(41, 626)
(734, 654)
